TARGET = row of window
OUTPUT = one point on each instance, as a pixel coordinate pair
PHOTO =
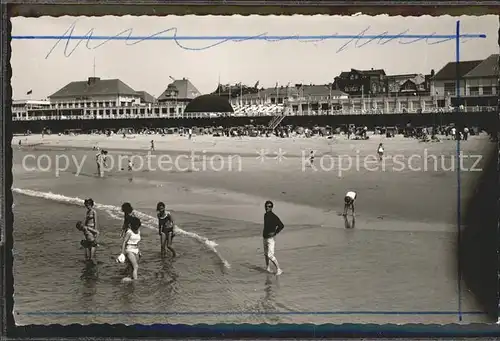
(106, 104)
(450, 88)
(482, 82)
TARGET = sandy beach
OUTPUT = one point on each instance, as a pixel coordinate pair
(341, 165)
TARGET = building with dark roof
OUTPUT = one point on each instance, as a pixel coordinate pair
(107, 98)
(483, 79)
(95, 93)
(443, 84)
(478, 83)
(209, 104)
(180, 90)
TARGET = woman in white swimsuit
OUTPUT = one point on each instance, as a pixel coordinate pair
(130, 246)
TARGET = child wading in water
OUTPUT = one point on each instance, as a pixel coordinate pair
(165, 228)
(130, 246)
(90, 215)
(89, 243)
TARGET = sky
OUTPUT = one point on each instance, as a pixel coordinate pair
(44, 67)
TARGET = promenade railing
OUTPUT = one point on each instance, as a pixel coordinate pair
(344, 111)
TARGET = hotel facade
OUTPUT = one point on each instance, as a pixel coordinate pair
(352, 92)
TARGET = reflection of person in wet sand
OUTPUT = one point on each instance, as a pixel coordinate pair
(269, 302)
(349, 224)
(349, 200)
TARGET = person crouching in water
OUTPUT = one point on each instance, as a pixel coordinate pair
(130, 245)
(90, 242)
(165, 228)
(272, 226)
(349, 200)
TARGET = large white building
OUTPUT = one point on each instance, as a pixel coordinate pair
(483, 79)
(99, 98)
(21, 107)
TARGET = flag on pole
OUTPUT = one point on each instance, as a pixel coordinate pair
(29, 92)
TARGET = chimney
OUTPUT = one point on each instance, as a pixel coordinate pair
(93, 80)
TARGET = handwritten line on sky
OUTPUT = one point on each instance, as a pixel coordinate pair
(126, 35)
(258, 37)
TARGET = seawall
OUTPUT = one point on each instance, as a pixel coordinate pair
(485, 120)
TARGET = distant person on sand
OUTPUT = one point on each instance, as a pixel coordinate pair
(466, 133)
(311, 158)
(380, 151)
(152, 145)
(90, 242)
(165, 228)
(349, 200)
(128, 213)
(272, 226)
(100, 159)
(190, 133)
(130, 245)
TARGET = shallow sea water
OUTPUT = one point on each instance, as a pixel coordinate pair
(381, 265)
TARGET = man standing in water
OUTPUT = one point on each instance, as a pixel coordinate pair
(272, 226)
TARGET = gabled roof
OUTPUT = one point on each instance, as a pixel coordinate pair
(448, 72)
(417, 80)
(94, 87)
(146, 97)
(487, 68)
(186, 90)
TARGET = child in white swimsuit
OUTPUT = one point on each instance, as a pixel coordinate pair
(130, 246)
